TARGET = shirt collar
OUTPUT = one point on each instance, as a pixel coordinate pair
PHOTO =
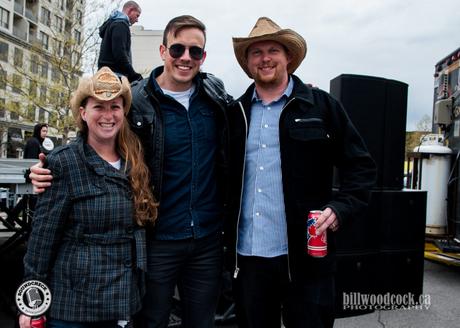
(287, 92)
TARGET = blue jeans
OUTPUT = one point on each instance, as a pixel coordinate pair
(54, 323)
(195, 266)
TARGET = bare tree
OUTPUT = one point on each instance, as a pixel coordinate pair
(424, 124)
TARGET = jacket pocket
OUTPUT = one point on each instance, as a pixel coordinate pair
(142, 124)
(309, 133)
(77, 267)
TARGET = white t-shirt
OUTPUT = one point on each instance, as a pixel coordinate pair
(116, 164)
(182, 97)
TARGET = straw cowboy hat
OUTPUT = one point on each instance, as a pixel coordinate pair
(267, 30)
(104, 85)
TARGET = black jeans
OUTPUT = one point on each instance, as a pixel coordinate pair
(264, 294)
(195, 266)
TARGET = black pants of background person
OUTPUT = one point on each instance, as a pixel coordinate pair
(264, 294)
(195, 265)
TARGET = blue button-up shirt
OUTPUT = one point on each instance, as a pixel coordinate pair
(262, 228)
(189, 205)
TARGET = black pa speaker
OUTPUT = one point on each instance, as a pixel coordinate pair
(378, 109)
(382, 252)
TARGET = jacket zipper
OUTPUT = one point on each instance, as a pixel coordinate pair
(305, 120)
(237, 269)
(287, 235)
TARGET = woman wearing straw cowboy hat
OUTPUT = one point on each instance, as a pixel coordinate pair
(87, 242)
(287, 137)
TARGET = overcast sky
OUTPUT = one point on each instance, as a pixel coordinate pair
(393, 39)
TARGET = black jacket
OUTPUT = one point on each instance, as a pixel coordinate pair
(146, 121)
(116, 48)
(34, 145)
(32, 148)
(316, 135)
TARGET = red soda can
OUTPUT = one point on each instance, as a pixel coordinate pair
(316, 244)
(39, 322)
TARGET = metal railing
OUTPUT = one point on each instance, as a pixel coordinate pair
(20, 34)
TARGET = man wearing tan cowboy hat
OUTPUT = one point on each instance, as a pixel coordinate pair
(286, 139)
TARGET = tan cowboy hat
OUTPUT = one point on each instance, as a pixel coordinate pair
(267, 30)
(104, 85)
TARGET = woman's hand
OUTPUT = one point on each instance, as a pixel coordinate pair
(24, 321)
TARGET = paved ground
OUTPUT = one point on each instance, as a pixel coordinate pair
(441, 286)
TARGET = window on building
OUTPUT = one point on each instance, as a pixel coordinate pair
(68, 55)
(32, 88)
(58, 47)
(55, 74)
(3, 78)
(70, 4)
(41, 115)
(43, 94)
(4, 51)
(34, 64)
(44, 71)
(77, 36)
(14, 110)
(45, 17)
(2, 108)
(18, 57)
(79, 16)
(4, 18)
(68, 26)
(45, 40)
(17, 83)
(30, 114)
(59, 23)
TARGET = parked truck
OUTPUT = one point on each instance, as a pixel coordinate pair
(437, 165)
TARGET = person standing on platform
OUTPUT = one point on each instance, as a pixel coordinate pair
(116, 41)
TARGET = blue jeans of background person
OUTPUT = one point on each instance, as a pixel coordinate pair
(264, 294)
(54, 323)
(195, 266)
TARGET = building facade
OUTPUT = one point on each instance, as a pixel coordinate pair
(145, 49)
(40, 55)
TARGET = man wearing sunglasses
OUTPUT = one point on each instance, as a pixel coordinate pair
(179, 115)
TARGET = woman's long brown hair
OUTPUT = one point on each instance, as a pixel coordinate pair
(130, 147)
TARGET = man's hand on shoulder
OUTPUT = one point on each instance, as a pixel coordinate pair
(40, 176)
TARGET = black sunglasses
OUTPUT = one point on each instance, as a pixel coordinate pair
(177, 50)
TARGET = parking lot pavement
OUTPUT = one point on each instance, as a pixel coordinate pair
(441, 286)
